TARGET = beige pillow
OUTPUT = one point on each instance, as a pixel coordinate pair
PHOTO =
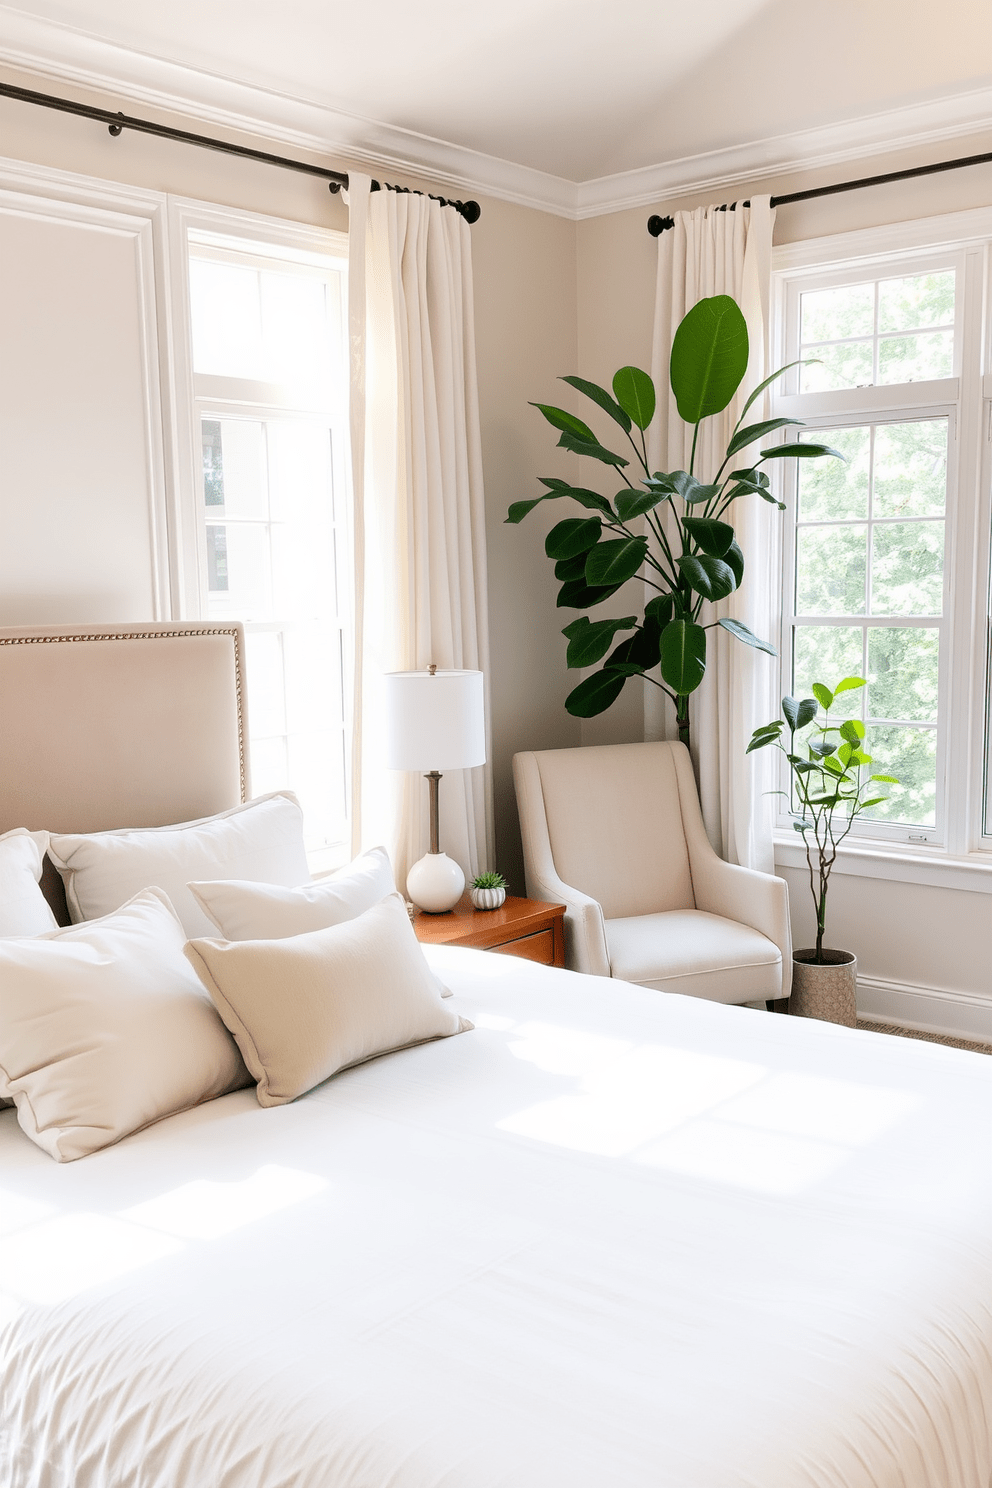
(24, 910)
(261, 841)
(306, 1006)
(253, 911)
(268, 911)
(104, 1029)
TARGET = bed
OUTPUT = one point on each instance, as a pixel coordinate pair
(605, 1238)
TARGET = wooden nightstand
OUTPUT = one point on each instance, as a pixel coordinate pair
(522, 927)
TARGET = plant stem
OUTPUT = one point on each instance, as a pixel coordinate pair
(682, 717)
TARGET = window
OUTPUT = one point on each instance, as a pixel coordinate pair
(887, 555)
(269, 394)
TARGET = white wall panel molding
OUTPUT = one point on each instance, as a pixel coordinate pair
(962, 1015)
(82, 401)
(63, 53)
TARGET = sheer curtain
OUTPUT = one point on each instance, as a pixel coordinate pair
(711, 252)
(420, 546)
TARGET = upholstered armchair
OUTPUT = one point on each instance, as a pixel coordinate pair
(615, 833)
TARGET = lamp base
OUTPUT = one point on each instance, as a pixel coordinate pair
(435, 883)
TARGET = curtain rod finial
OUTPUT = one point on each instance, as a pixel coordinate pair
(658, 225)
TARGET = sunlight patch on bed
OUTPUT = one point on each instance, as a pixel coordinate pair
(764, 1161)
(205, 1208)
(632, 1097)
(58, 1258)
(567, 1051)
(16, 1211)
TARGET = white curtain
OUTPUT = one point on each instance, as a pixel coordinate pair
(710, 252)
(420, 567)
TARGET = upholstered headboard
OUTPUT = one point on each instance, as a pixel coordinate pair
(116, 726)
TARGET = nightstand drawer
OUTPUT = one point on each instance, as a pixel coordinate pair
(539, 947)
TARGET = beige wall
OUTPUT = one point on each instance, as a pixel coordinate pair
(907, 934)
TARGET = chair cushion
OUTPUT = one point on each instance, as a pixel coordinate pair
(700, 954)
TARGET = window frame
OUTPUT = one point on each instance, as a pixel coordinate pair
(265, 243)
(960, 852)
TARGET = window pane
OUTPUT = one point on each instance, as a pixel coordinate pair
(830, 489)
(907, 569)
(847, 364)
(217, 560)
(234, 474)
(828, 653)
(266, 684)
(835, 314)
(296, 348)
(910, 755)
(227, 319)
(249, 590)
(902, 673)
(916, 358)
(831, 570)
(921, 300)
(910, 469)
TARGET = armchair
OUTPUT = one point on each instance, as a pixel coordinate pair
(614, 832)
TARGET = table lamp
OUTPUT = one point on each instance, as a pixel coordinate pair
(435, 721)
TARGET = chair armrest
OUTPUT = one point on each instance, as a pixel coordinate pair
(585, 927)
(751, 898)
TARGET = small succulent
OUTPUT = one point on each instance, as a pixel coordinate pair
(489, 881)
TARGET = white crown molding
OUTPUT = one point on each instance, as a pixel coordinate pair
(63, 53)
(720, 171)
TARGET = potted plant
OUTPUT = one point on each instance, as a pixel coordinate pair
(832, 789)
(488, 891)
(688, 557)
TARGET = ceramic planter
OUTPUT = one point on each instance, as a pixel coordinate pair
(487, 898)
(827, 992)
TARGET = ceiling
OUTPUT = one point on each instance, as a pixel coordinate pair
(575, 89)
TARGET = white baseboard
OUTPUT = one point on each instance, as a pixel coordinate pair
(965, 1015)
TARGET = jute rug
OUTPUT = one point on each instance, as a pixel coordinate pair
(929, 1038)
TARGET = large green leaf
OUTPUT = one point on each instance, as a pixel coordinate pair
(660, 609)
(601, 396)
(848, 684)
(592, 448)
(742, 633)
(710, 577)
(805, 450)
(639, 652)
(560, 419)
(573, 535)
(709, 358)
(853, 730)
(690, 489)
(589, 640)
(734, 559)
(615, 561)
(683, 655)
(576, 594)
(712, 536)
(635, 393)
(823, 695)
(595, 694)
(631, 504)
(779, 372)
(747, 436)
(519, 509)
(571, 568)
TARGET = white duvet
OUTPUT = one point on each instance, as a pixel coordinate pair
(608, 1238)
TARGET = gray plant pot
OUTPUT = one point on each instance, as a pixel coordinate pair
(826, 992)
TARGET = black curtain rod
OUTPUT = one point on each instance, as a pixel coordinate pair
(118, 122)
(658, 225)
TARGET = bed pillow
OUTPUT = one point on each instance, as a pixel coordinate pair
(254, 911)
(24, 910)
(104, 1028)
(307, 1006)
(261, 841)
(248, 911)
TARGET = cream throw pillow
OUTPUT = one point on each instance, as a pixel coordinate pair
(306, 1006)
(254, 911)
(261, 841)
(249, 911)
(104, 1029)
(24, 910)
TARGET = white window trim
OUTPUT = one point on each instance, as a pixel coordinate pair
(964, 861)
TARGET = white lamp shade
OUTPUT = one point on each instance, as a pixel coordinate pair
(434, 721)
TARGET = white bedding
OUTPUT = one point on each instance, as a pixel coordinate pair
(608, 1238)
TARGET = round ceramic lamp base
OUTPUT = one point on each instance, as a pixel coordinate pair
(435, 883)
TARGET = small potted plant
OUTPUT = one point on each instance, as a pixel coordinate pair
(488, 891)
(832, 789)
